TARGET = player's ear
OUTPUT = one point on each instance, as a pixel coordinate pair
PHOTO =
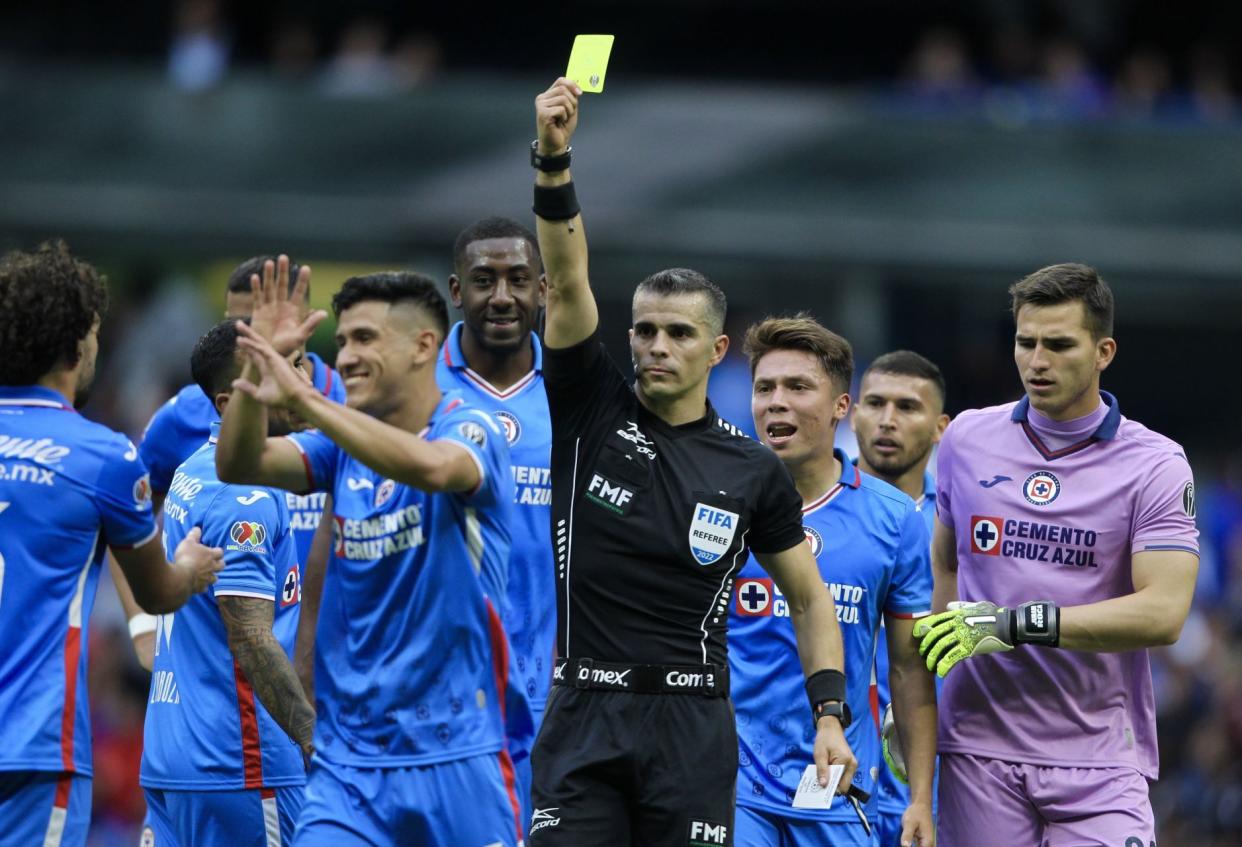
(455, 290)
(841, 407)
(1105, 350)
(543, 290)
(221, 402)
(942, 423)
(720, 346)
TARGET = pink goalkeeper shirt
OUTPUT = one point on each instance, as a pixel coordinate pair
(1040, 519)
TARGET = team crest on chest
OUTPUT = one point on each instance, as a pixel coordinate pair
(711, 533)
(815, 540)
(512, 426)
(1041, 488)
(383, 492)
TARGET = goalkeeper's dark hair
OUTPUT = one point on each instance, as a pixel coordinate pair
(493, 227)
(677, 281)
(909, 363)
(49, 300)
(214, 364)
(1066, 283)
(239, 279)
(395, 287)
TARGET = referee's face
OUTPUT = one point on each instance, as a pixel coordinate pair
(673, 345)
(796, 406)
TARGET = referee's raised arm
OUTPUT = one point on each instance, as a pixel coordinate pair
(571, 312)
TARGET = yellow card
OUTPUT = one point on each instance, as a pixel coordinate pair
(588, 61)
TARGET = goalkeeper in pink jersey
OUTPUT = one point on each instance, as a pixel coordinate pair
(1065, 545)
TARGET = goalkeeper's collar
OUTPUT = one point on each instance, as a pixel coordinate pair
(1106, 431)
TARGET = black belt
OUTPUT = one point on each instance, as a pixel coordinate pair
(704, 680)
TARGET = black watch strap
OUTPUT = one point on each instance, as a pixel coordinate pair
(838, 709)
(549, 164)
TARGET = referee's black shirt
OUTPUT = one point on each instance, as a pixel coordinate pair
(651, 521)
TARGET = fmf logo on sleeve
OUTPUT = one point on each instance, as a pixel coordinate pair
(249, 534)
(986, 535)
(754, 598)
(711, 533)
(291, 591)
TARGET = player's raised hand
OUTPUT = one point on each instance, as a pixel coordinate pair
(278, 311)
(556, 115)
(831, 748)
(202, 563)
(279, 382)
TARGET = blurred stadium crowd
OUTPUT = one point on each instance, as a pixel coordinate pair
(1012, 61)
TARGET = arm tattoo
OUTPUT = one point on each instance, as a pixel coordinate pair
(248, 621)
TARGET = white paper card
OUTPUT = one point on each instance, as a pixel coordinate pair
(812, 795)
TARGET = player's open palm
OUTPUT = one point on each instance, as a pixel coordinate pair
(277, 314)
(831, 748)
(202, 562)
(279, 382)
(556, 115)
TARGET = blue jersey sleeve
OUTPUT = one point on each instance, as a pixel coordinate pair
(321, 457)
(326, 380)
(247, 523)
(123, 496)
(478, 432)
(909, 591)
(161, 448)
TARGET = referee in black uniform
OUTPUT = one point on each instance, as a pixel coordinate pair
(655, 502)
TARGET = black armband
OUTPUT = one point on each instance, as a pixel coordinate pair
(1037, 622)
(559, 203)
(826, 691)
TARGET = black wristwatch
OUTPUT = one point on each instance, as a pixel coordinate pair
(549, 164)
(838, 709)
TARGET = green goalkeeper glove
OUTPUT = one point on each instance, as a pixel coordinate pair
(976, 629)
(894, 757)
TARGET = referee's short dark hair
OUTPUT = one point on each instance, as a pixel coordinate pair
(49, 300)
(1066, 283)
(909, 363)
(213, 364)
(395, 287)
(493, 227)
(239, 279)
(802, 332)
(674, 281)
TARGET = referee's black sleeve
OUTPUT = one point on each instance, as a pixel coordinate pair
(777, 524)
(581, 381)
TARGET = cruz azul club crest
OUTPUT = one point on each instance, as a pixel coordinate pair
(1041, 488)
(814, 539)
(511, 425)
(711, 533)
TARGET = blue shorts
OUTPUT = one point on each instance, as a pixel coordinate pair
(466, 803)
(43, 807)
(888, 826)
(253, 817)
(756, 828)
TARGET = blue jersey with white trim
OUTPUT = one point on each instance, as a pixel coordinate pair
(181, 426)
(894, 796)
(872, 551)
(68, 489)
(411, 659)
(522, 410)
(205, 727)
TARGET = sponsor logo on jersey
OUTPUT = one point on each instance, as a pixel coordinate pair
(1188, 499)
(471, 431)
(291, 591)
(142, 492)
(995, 480)
(708, 834)
(711, 533)
(383, 492)
(815, 540)
(45, 451)
(248, 534)
(754, 598)
(358, 484)
(254, 497)
(1041, 488)
(512, 426)
(986, 535)
(543, 819)
(684, 679)
(604, 492)
(634, 435)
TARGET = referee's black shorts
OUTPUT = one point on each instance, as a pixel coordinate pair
(620, 768)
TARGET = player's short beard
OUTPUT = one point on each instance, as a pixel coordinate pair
(891, 470)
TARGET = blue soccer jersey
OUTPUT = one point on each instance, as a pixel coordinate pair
(205, 728)
(181, 426)
(410, 659)
(872, 551)
(68, 489)
(522, 410)
(894, 796)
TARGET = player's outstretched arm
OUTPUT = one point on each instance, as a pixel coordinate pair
(401, 456)
(248, 624)
(312, 591)
(159, 588)
(814, 617)
(914, 708)
(571, 311)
